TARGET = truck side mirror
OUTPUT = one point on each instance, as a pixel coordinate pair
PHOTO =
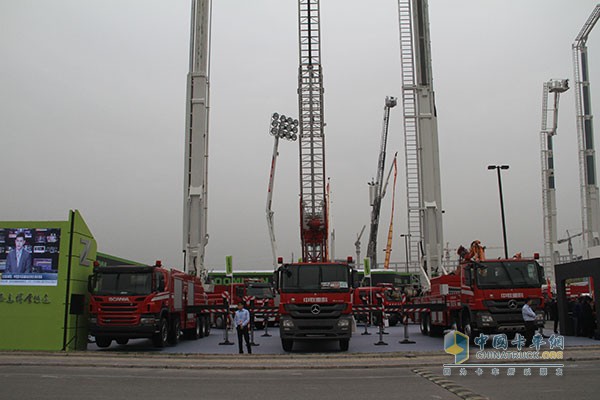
(276, 280)
(354, 277)
(91, 283)
(160, 282)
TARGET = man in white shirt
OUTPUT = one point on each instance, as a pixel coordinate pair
(529, 317)
(241, 320)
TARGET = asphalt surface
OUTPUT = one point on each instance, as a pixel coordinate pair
(65, 382)
(272, 345)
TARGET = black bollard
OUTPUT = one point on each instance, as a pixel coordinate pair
(226, 316)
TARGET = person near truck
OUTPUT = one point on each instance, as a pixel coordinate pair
(241, 321)
(529, 318)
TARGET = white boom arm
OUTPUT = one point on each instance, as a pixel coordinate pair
(195, 235)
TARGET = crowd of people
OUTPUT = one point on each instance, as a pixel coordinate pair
(581, 315)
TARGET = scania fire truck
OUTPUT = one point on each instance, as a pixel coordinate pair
(130, 302)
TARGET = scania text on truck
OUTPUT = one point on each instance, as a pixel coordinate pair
(128, 302)
(315, 302)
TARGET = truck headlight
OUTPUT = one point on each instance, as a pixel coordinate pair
(486, 318)
(147, 321)
(343, 323)
(539, 317)
(287, 323)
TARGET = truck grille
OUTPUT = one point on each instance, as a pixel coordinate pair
(118, 314)
(306, 310)
(503, 306)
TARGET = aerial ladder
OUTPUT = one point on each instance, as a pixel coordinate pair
(590, 202)
(313, 202)
(376, 187)
(423, 184)
(357, 245)
(550, 113)
(281, 127)
(195, 235)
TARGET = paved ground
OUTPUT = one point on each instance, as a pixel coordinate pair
(272, 345)
(114, 382)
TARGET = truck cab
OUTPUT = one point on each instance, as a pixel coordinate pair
(315, 302)
(494, 292)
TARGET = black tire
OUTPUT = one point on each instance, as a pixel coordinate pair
(160, 338)
(287, 345)
(344, 344)
(199, 328)
(206, 326)
(175, 332)
(103, 341)
(434, 330)
(122, 341)
(467, 327)
(394, 319)
(424, 324)
(219, 322)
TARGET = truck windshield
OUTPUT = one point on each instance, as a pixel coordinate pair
(508, 274)
(124, 283)
(259, 292)
(316, 278)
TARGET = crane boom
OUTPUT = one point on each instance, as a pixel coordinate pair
(423, 182)
(376, 187)
(590, 201)
(548, 131)
(313, 203)
(195, 235)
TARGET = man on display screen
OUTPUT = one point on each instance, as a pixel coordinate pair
(19, 260)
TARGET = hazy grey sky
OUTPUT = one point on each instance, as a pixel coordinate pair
(92, 113)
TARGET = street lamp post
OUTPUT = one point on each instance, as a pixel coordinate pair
(498, 168)
(406, 236)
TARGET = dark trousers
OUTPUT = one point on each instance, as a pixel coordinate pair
(529, 332)
(246, 334)
(555, 324)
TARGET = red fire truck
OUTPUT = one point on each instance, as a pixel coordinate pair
(481, 296)
(370, 295)
(315, 302)
(129, 302)
(257, 295)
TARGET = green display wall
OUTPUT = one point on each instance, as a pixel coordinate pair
(45, 308)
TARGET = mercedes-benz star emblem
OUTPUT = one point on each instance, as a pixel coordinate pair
(512, 304)
(315, 309)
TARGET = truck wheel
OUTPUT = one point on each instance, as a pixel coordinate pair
(103, 341)
(160, 339)
(122, 341)
(175, 332)
(199, 328)
(206, 327)
(287, 344)
(468, 328)
(434, 330)
(394, 319)
(219, 322)
(424, 324)
(344, 344)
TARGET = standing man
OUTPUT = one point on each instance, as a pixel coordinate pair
(19, 260)
(529, 318)
(242, 324)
